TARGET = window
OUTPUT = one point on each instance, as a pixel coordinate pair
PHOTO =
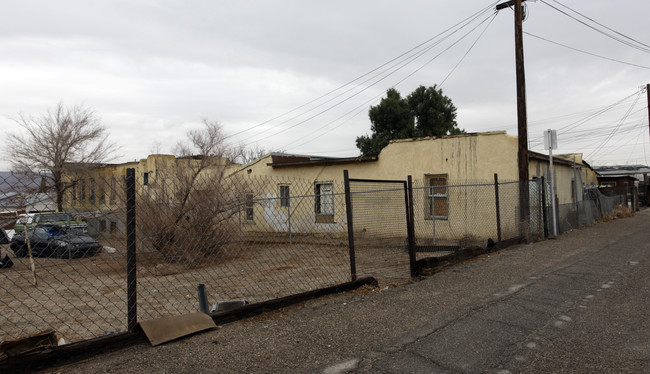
(324, 204)
(437, 196)
(284, 196)
(102, 191)
(82, 191)
(113, 191)
(91, 197)
(74, 194)
(102, 226)
(113, 228)
(249, 203)
(145, 179)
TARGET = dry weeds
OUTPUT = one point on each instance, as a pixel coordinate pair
(618, 212)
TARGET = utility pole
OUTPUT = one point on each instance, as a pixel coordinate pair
(645, 177)
(522, 127)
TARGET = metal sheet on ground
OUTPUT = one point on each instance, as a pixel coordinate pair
(161, 330)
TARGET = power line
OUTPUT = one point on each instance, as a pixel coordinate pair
(617, 126)
(642, 47)
(600, 24)
(468, 51)
(379, 80)
(582, 121)
(585, 52)
(417, 47)
(376, 97)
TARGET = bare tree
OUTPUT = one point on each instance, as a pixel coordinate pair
(187, 211)
(251, 153)
(56, 139)
(156, 147)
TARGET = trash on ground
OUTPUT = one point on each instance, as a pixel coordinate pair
(109, 249)
(224, 306)
(164, 329)
(28, 343)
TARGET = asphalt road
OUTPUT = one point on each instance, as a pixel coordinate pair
(576, 304)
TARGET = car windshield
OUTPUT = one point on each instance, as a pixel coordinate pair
(54, 218)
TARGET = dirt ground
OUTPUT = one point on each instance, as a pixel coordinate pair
(86, 298)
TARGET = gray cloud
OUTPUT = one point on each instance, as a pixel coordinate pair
(153, 69)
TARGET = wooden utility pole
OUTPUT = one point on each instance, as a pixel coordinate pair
(522, 127)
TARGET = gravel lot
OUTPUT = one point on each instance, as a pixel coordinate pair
(86, 298)
(314, 333)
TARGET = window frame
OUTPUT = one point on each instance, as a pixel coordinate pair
(437, 195)
(113, 192)
(285, 195)
(91, 194)
(249, 207)
(82, 190)
(324, 215)
(73, 194)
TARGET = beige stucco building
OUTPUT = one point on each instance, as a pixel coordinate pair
(297, 194)
(98, 194)
(439, 166)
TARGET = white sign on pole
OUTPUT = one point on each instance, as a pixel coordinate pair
(550, 139)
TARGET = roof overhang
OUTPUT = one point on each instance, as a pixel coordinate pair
(279, 161)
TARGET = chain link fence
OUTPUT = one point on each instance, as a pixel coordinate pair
(251, 239)
(380, 224)
(451, 215)
(123, 246)
(68, 268)
(246, 239)
(594, 206)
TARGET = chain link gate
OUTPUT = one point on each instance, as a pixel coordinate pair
(379, 223)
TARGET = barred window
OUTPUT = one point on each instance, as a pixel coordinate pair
(437, 197)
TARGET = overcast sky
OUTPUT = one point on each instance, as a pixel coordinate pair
(153, 69)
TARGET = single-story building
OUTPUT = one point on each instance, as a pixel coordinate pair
(439, 167)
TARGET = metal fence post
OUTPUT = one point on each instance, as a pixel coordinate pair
(557, 230)
(410, 227)
(496, 198)
(131, 275)
(544, 212)
(289, 218)
(348, 210)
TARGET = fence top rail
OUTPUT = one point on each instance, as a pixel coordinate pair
(377, 181)
(464, 185)
(296, 196)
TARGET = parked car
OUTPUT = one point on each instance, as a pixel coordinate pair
(52, 218)
(55, 241)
